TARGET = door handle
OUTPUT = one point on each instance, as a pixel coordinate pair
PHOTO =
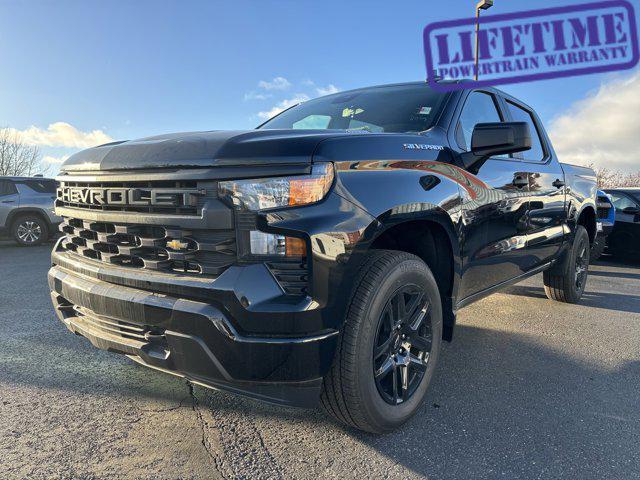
(8, 201)
(520, 181)
(558, 183)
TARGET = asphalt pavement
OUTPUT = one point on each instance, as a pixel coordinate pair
(528, 389)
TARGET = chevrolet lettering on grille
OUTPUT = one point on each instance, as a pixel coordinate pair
(128, 196)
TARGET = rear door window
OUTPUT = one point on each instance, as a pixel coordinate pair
(7, 188)
(41, 186)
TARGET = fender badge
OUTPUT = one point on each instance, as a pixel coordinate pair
(421, 146)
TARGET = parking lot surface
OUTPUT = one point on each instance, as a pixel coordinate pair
(529, 389)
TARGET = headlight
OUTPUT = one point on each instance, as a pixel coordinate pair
(264, 193)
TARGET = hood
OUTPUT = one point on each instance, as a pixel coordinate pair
(203, 149)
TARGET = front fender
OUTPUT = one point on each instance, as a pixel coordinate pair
(367, 199)
(395, 192)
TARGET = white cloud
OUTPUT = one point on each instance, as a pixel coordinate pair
(62, 134)
(603, 128)
(283, 105)
(278, 83)
(328, 90)
(56, 160)
(297, 98)
(256, 96)
(321, 91)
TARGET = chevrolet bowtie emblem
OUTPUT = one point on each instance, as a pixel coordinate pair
(177, 245)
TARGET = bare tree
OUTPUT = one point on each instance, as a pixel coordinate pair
(607, 178)
(18, 158)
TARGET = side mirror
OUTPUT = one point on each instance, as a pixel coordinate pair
(490, 139)
(631, 210)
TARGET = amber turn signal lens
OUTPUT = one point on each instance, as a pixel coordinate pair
(303, 191)
(295, 247)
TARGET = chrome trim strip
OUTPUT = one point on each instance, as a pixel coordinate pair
(192, 221)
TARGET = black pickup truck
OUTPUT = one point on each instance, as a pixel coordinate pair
(321, 257)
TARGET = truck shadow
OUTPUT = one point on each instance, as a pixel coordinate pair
(610, 301)
(618, 262)
(609, 273)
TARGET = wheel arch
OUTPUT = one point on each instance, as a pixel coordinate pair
(587, 218)
(19, 212)
(433, 239)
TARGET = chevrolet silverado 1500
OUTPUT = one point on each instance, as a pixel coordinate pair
(321, 257)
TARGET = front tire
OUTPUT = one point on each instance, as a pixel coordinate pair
(566, 282)
(389, 344)
(29, 230)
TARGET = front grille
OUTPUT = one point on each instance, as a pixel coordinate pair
(177, 197)
(128, 336)
(167, 249)
(112, 326)
(175, 241)
(292, 275)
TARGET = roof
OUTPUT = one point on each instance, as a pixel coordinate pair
(25, 178)
(415, 83)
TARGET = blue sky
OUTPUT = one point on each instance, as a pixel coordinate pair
(131, 69)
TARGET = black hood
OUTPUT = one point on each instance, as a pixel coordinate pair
(203, 149)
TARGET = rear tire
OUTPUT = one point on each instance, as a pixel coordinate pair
(389, 344)
(566, 282)
(29, 230)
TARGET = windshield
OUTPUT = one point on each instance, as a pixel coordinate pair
(398, 109)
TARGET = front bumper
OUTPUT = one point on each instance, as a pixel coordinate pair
(192, 338)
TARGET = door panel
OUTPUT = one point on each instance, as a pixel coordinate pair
(9, 200)
(494, 227)
(545, 223)
(7, 203)
(494, 208)
(547, 216)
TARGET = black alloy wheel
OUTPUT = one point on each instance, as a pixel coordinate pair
(389, 345)
(566, 281)
(403, 345)
(582, 267)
